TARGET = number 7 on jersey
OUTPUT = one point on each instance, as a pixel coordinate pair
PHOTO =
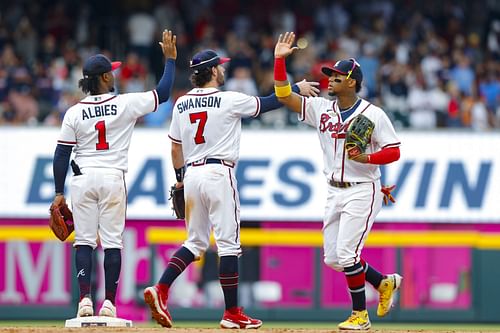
(202, 118)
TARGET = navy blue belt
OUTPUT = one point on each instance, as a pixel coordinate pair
(342, 184)
(211, 161)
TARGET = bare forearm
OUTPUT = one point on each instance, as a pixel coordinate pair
(177, 157)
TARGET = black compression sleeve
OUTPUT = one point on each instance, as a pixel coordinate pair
(60, 166)
(269, 103)
(164, 87)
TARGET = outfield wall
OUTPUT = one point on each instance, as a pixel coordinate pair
(441, 176)
(443, 235)
(449, 272)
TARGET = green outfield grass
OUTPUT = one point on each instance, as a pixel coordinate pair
(295, 325)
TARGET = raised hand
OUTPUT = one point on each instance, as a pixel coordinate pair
(168, 44)
(284, 45)
(308, 88)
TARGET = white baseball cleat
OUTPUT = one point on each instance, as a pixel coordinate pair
(107, 309)
(85, 308)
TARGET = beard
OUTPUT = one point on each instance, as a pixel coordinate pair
(332, 94)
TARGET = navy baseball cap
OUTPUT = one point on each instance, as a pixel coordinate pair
(99, 64)
(343, 67)
(205, 59)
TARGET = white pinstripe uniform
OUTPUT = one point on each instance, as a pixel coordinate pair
(100, 128)
(207, 122)
(351, 211)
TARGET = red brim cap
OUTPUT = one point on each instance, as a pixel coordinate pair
(329, 71)
(115, 65)
(223, 60)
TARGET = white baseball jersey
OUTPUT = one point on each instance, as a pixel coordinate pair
(324, 115)
(100, 127)
(207, 122)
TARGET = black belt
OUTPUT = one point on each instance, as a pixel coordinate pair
(211, 161)
(342, 184)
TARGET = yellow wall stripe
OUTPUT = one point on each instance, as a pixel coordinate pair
(290, 237)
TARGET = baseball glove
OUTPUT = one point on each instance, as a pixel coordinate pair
(358, 135)
(58, 221)
(178, 203)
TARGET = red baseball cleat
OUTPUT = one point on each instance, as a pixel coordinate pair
(158, 304)
(235, 318)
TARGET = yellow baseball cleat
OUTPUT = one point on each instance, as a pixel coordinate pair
(358, 321)
(387, 290)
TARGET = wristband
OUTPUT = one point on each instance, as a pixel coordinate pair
(283, 91)
(179, 173)
(279, 69)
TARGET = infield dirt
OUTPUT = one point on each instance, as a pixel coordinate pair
(194, 330)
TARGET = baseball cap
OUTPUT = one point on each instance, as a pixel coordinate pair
(343, 67)
(99, 64)
(205, 59)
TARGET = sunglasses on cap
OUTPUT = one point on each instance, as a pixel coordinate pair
(354, 64)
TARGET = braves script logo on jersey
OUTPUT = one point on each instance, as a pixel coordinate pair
(337, 129)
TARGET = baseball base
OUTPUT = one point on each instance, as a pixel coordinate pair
(95, 321)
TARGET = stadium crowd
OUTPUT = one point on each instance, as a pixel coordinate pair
(429, 63)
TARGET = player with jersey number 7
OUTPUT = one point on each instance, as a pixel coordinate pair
(352, 172)
(205, 133)
(98, 129)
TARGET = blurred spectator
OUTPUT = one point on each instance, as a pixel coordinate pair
(424, 62)
(132, 74)
(479, 115)
(26, 40)
(422, 115)
(141, 30)
(462, 74)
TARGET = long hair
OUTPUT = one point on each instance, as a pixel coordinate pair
(201, 77)
(89, 84)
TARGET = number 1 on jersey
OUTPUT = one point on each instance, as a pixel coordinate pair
(202, 117)
(101, 144)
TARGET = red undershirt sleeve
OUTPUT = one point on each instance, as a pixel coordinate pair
(385, 156)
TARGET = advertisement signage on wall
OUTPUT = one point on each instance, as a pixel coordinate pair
(441, 176)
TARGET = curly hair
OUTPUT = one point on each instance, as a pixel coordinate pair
(201, 77)
(89, 85)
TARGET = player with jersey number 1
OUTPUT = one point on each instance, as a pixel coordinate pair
(98, 129)
(355, 194)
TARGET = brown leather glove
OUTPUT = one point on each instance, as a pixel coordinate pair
(58, 220)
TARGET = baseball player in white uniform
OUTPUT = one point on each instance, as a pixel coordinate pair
(205, 133)
(354, 189)
(98, 129)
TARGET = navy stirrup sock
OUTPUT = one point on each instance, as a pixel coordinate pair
(177, 264)
(83, 264)
(372, 275)
(112, 267)
(228, 276)
(355, 276)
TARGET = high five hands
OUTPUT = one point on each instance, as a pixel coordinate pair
(284, 45)
(168, 44)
